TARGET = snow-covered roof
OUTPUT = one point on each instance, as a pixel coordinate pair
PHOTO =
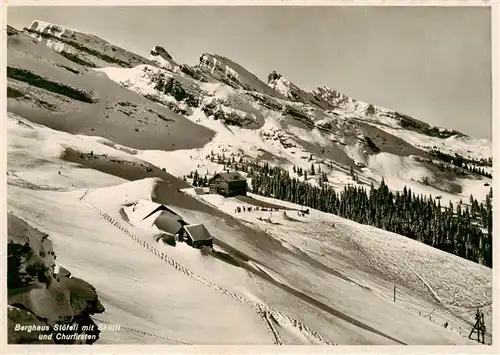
(231, 176)
(198, 232)
(161, 208)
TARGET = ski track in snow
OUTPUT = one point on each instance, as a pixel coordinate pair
(266, 313)
(130, 329)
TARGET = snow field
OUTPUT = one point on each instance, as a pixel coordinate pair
(471, 147)
(399, 172)
(136, 289)
(262, 309)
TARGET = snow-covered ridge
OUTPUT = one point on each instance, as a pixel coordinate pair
(352, 107)
(331, 95)
(52, 29)
(39, 30)
(211, 63)
(223, 69)
(468, 147)
(85, 49)
(281, 84)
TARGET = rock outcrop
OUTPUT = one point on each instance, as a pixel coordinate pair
(11, 31)
(292, 92)
(218, 68)
(163, 59)
(46, 304)
(333, 97)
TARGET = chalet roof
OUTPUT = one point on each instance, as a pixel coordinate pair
(167, 220)
(198, 232)
(231, 176)
(161, 208)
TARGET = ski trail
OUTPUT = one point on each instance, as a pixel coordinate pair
(275, 314)
(434, 294)
(445, 305)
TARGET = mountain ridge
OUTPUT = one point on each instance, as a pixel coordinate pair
(322, 96)
(222, 90)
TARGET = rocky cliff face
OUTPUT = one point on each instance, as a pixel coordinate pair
(292, 92)
(163, 59)
(222, 69)
(46, 304)
(82, 48)
(333, 97)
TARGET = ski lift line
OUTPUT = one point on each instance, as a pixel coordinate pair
(180, 268)
(446, 306)
(434, 294)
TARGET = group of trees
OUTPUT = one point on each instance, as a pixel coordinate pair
(197, 179)
(464, 230)
(472, 165)
(454, 230)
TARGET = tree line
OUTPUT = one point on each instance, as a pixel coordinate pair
(464, 230)
(472, 165)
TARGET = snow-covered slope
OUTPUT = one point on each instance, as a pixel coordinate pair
(376, 259)
(71, 97)
(162, 294)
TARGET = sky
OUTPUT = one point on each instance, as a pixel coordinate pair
(432, 63)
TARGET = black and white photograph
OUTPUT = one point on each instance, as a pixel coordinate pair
(243, 175)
